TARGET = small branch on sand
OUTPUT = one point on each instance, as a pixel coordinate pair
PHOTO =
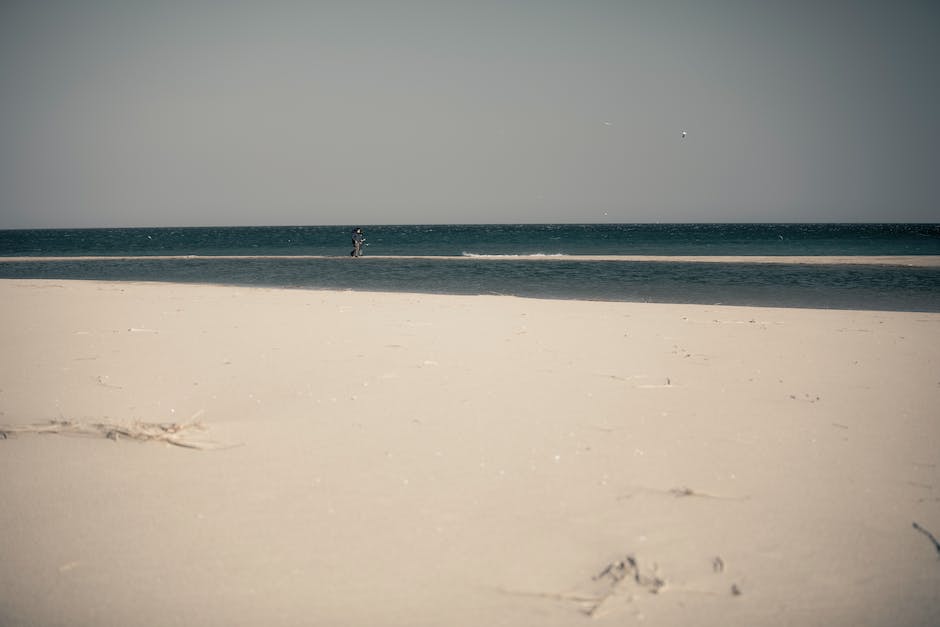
(627, 569)
(177, 434)
(617, 571)
(930, 536)
(609, 580)
(555, 596)
(683, 491)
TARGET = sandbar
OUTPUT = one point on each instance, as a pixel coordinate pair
(928, 261)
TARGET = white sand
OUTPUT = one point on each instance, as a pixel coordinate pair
(451, 460)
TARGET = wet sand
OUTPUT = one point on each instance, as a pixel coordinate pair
(930, 261)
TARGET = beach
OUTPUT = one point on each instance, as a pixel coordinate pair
(375, 458)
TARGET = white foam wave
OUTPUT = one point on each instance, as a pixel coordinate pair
(485, 256)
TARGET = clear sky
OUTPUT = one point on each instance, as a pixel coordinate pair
(174, 113)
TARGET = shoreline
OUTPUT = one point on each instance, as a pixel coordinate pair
(413, 459)
(889, 260)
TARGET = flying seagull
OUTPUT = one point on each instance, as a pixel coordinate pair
(684, 134)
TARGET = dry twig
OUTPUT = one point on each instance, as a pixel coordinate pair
(609, 581)
(627, 569)
(684, 491)
(930, 536)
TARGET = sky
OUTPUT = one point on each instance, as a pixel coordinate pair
(122, 113)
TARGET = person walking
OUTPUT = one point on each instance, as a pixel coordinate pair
(357, 240)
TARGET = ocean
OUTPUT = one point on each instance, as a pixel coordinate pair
(526, 260)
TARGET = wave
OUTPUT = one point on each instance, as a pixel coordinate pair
(525, 256)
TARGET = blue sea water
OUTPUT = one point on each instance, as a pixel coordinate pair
(487, 239)
(257, 257)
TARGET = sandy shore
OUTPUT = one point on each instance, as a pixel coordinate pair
(450, 460)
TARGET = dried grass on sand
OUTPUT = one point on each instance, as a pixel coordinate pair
(186, 435)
